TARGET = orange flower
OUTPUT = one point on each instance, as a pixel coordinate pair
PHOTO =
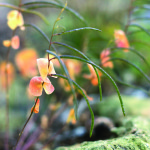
(15, 19)
(121, 40)
(36, 109)
(37, 84)
(74, 67)
(71, 117)
(14, 42)
(43, 68)
(26, 62)
(92, 76)
(7, 43)
(10, 73)
(104, 56)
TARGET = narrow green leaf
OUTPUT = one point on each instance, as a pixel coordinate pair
(99, 83)
(37, 14)
(141, 28)
(57, 5)
(26, 11)
(103, 71)
(84, 56)
(78, 29)
(69, 80)
(85, 97)
(39, 30)
(136, 67)
(134, 51)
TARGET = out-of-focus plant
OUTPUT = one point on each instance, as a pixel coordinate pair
(27, 62)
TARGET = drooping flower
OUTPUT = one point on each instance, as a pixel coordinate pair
(121, 40)
(10, 73)
(104, 57)
(26, 62)
(36, 109)
(71, 117)
(43, 68)
(37, 84)
(14, 42)
(92, 76)
(15, 19)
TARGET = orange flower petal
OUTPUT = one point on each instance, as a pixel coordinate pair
(15, 42)
(71, 117)
(104, 56)
(35, 86)
(10, 72)
(15, 19)
(36, 109)
(7, 43)
(48, 87)
(43, 67)
(51, 69)
(26, 62)
(121, 40)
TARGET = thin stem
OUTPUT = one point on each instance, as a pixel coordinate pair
(7, 95)
(20, 134)
(50, 43)
(130, 10)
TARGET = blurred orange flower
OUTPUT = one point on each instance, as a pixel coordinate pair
(26, 62)
(37, 84)
(15, 19)
(121, 40)
(92, 76)
(71, 117)
(36, 109)
(74, 67)
(104, 56)
(10, 73)
(7, 43)
(14, 42)
(43, 68)
(64, 84)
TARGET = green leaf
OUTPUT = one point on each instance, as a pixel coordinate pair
(136, 67)
(141, 28)
(26, 11)
(57, 5)
(103, 71)
(87, 101)
(134, 51)
(78, 29)
(84, 56)
(69, 80)
(39, 30)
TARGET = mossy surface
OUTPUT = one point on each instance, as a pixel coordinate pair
(137, 137)
(134, 131)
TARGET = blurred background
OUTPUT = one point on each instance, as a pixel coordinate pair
(108, 16)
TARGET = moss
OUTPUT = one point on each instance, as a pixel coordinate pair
(136, 137)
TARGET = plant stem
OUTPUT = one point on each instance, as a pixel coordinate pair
(7, 96)
(20, 134)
